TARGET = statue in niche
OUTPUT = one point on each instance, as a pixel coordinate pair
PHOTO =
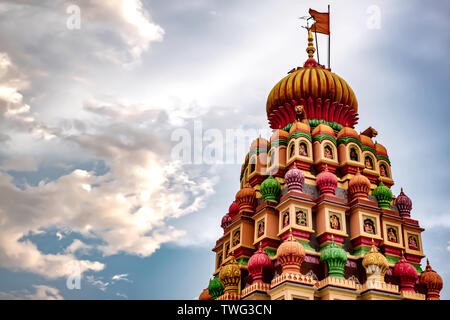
(227, 249)
(383, 171)
(392, 235)
(286, 219)
(301, 217)
(303, 150)
(292, 151)
(261, 228)
(335, 222)
(369, 226)
(368, 163)
(300, 114)
(353, 155)
(328, 153)
(236, 238)
(412, 243)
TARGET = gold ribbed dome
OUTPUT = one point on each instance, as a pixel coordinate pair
(304, 86)
(230, 275)
(314, 82)
(374, 258)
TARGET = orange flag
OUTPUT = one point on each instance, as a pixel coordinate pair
(322, 24)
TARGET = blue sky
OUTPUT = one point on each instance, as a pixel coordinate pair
(86, 119)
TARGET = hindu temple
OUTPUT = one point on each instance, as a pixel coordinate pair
(315, 217)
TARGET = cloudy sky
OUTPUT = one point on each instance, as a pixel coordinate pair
(90, 112)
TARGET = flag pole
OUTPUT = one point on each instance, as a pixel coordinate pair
(329, 37)
(317, 46)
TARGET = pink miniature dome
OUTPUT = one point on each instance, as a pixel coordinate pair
(327, 182)
(407, 273)
(257, 263)
(226, 221)
(404, 204)
(294, 179)
(233, 210)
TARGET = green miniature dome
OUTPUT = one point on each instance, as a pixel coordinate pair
(336, 258)
(215, 288)
(270, 189)
(383, 195)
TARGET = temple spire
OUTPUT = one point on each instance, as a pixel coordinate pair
(310, 49)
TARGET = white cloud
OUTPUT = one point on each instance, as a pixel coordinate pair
(42, 292)
(14, 112)
(127, 208)
(122, 295)
(101, 285)
(121, 277)
(118, 31)
(78, 246)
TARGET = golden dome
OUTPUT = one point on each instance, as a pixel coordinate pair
(367, 141)
(230, 275)
(380, 149)
(314, 82)
(325, 95)
(374, 258)
(300, 126)
(348, 132)
(323, 128)
(279, 135)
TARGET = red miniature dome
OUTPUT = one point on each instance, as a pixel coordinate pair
(432, 281)
(327, 182)
(290, 255)
(226, 221)
(359, 186)
(233, 210)
(257, 263)
(407, 273)
(205, 295)
(246, 199)
(404, 204)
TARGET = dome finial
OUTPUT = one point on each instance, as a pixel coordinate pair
(310, 49)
